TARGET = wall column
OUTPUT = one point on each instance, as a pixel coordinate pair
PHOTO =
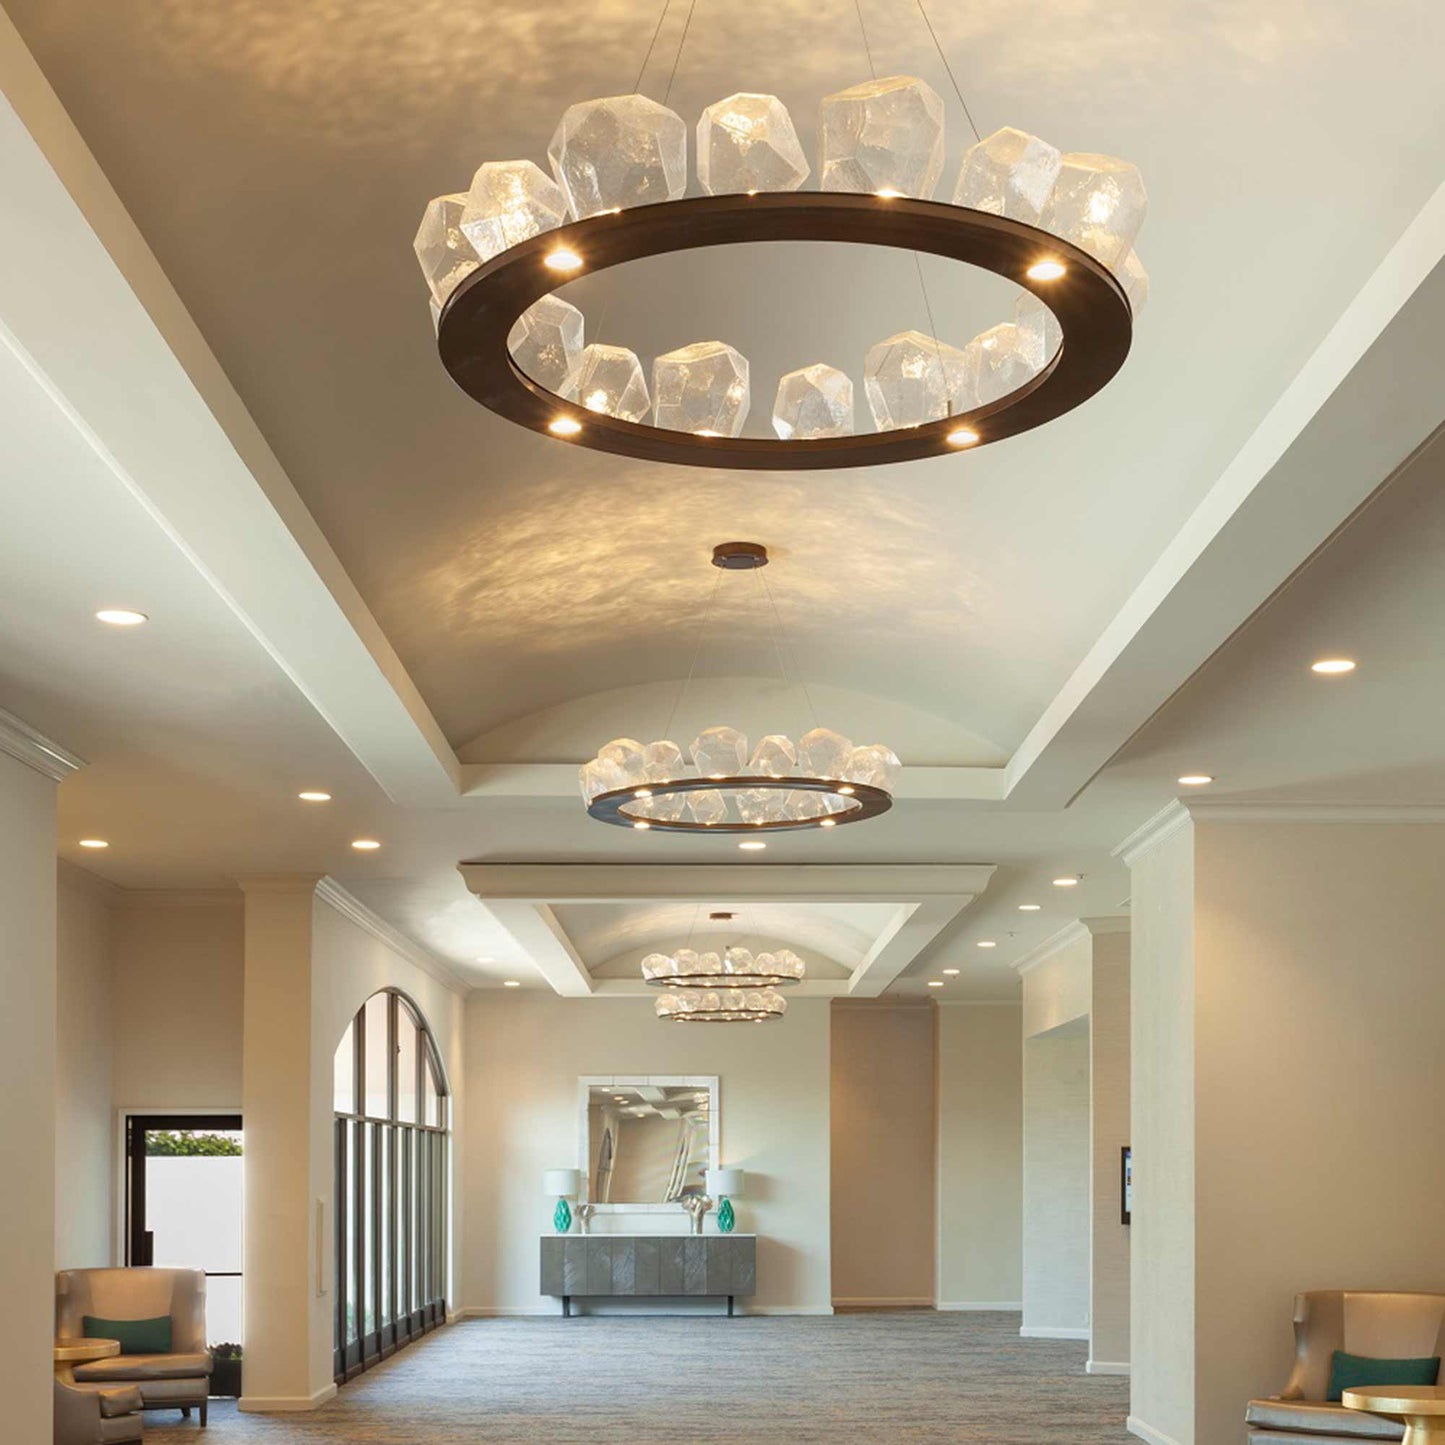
(1288, 993)
(30, 768)
(276, 1100)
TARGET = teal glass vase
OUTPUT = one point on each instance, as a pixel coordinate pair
(562, 1217)
(725, 1216)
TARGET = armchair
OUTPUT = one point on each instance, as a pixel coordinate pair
(178, 1380)
(1379, 1324)
(96, 1415)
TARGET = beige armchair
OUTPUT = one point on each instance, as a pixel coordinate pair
(179, 1380)
(1379, 1324)
(97, 1414)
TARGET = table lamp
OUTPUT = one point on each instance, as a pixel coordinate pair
(721, 1184)
(561, 1185)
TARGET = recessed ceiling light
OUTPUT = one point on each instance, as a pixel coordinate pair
(935, 983)
(1049, 270)
(754, 846)
(1066, 882)
(987, 943)
(1333, 666)
(962, 436)
(564, 426)
(365, 845)
(1196, 780)
(314, 795)
(563, 260)
(951, 972)
(510, 983)
(1030, 907)
(121, 617)
(94, 843)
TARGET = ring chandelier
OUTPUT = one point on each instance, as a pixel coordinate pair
(822, 781)
(1060, 225)
(735, 985)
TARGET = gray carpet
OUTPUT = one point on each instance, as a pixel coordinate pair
(848, 1380)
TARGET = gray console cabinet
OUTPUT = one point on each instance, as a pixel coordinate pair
(632, 1266)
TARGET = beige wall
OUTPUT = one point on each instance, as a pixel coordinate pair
(1056, 1182)
(980, 1156)
(27, 1086)
(177, 1002)
(524, 1052)
(883, 1143)
(1319, 993)
(1161, 1291)
(84, 1030)
(1108, 1133)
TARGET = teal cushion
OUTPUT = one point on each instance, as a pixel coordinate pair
(1351, 1372)
(143, 1337)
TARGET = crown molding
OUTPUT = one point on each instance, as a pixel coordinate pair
(1224, 811)
(330, 892)
(1111, 924)
(72, 875)
(35, 750)
(1055, 943)
(1152, 832)
(977, 1003)
(280, 882)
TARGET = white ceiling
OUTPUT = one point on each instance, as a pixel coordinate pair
(468, 594)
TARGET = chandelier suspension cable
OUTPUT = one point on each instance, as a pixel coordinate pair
(944, 371)
(703, 618)
(651, 46)
(952, 78)
(682, 40)
(785, 650)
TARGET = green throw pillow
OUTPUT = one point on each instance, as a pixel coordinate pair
(144, 1337)
(1350, 1372)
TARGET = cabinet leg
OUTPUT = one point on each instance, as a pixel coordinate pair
(566, 1306)
(730, 1307)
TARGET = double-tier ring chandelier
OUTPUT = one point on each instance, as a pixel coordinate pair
(821, 781)
(1060, 225)
(731, 985)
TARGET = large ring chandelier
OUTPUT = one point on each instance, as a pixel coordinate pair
(721, 1005)
(821, 781)
(1060, 225)
(730, 985)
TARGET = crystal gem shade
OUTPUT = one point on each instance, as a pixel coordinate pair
(721, 1005)
(883, 140)
(823, 781)
(732, 968)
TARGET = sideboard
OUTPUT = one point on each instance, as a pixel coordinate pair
(634, 1266)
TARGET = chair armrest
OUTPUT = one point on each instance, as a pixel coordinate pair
(77, 1416)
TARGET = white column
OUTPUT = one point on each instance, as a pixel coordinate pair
(277, 1106)
(30, 767)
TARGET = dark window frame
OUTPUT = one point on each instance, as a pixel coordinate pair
(410, 1198)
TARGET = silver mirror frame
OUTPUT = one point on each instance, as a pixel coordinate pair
(587, 1082)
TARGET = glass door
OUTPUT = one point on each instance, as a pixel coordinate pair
(185, 1202)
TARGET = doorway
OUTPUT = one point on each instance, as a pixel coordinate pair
(185, 1205)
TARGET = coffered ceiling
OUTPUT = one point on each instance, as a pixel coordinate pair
(223, 406)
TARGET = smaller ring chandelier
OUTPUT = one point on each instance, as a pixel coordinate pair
(1061, 226)
(734, 985)
(819, 782)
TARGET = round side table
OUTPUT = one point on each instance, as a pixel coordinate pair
(69, 1353)
(1421, 1407)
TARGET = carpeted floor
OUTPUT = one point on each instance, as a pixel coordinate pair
(914, 1378)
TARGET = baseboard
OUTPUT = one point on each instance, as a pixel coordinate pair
(788, 1309)
(454, 1315)
(1048, 1332)
(1148, 1433)
(1007, 1306)
(882, 1302)
(285, 1404)
(1107, 1367)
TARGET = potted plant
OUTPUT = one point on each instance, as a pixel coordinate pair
(226, 1371)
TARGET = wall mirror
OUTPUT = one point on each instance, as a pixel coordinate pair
(646, 1140)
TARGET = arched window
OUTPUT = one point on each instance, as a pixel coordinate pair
(391, 1182)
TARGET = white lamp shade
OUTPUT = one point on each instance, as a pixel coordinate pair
(725, 1182)
(561, 1183)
